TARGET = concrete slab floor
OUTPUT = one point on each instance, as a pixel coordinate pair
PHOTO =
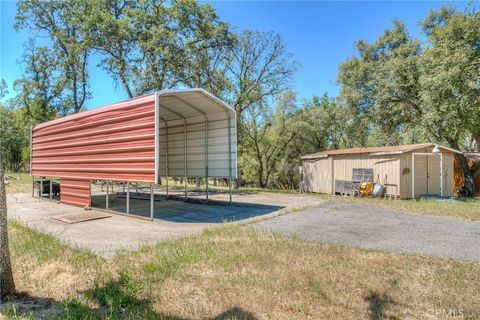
(173, 218)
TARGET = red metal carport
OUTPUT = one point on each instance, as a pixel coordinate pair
(170, 133)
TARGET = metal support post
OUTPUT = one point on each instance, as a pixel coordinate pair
(106, 197)
(41, 187)
(166, 157)
(151, 202)
(128, 197)
(33, 186)
(229, 157)
(185, 156)
(51, 188)
(90, 193)
(206, 160)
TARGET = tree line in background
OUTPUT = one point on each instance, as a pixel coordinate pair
(398, 89)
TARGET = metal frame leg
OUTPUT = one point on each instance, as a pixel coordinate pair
(106, 197)
(206, 159)
(40, 192)
(51, 188)
(90, 192)
(185, 157)
(33, 186)
(152, 207)
(128, 197)
(166, 157)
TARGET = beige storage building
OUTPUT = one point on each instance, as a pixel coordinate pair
(431, 165)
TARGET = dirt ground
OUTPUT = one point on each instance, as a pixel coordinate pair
(173, 218)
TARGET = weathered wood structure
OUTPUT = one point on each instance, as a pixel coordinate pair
(408, 171)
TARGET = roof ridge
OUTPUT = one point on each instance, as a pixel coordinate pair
(377, 149)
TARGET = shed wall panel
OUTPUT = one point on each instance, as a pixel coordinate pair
(309, 175)
(387, 165)
(448, 174)
(317, 175)
(406, 175)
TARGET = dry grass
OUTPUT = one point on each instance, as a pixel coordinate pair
(467, 209)
(234, 272)
(18, 182)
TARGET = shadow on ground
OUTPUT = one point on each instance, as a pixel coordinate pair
(195, 210)
(378, 304)
(114, 301)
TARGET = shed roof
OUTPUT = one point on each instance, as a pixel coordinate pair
(375, 150)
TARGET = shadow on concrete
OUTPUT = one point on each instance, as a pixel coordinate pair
(115, 300)
(378, 303)
(176, 209)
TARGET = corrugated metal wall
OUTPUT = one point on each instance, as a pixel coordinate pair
(111, 143)
(195, 108)
(75, 191)
(217, 149)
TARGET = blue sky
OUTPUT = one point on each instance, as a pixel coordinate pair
(320, 34)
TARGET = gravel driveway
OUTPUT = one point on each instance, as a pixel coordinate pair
(363, 225)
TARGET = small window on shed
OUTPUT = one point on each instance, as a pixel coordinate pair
(362, 175)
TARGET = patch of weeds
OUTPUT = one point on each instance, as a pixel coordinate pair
(11, 312)
(467, 209)
(44, 247)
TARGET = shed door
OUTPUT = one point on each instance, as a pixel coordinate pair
(427, 175)
(420, 174)
(433, 175)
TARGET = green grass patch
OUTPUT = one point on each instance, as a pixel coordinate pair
(466, 208)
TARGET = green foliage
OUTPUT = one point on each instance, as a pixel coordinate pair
(394, 90)
(14, 134)
(403, 92)
(41, 90)
(381, 86)
(14, 138)
(450, 78)
(64, 22)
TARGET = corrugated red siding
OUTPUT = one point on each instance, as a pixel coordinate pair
(75, 192)
(116, 142)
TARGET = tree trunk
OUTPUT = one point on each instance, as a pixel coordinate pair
(469, 180)
(476, 137)
(7, 286)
